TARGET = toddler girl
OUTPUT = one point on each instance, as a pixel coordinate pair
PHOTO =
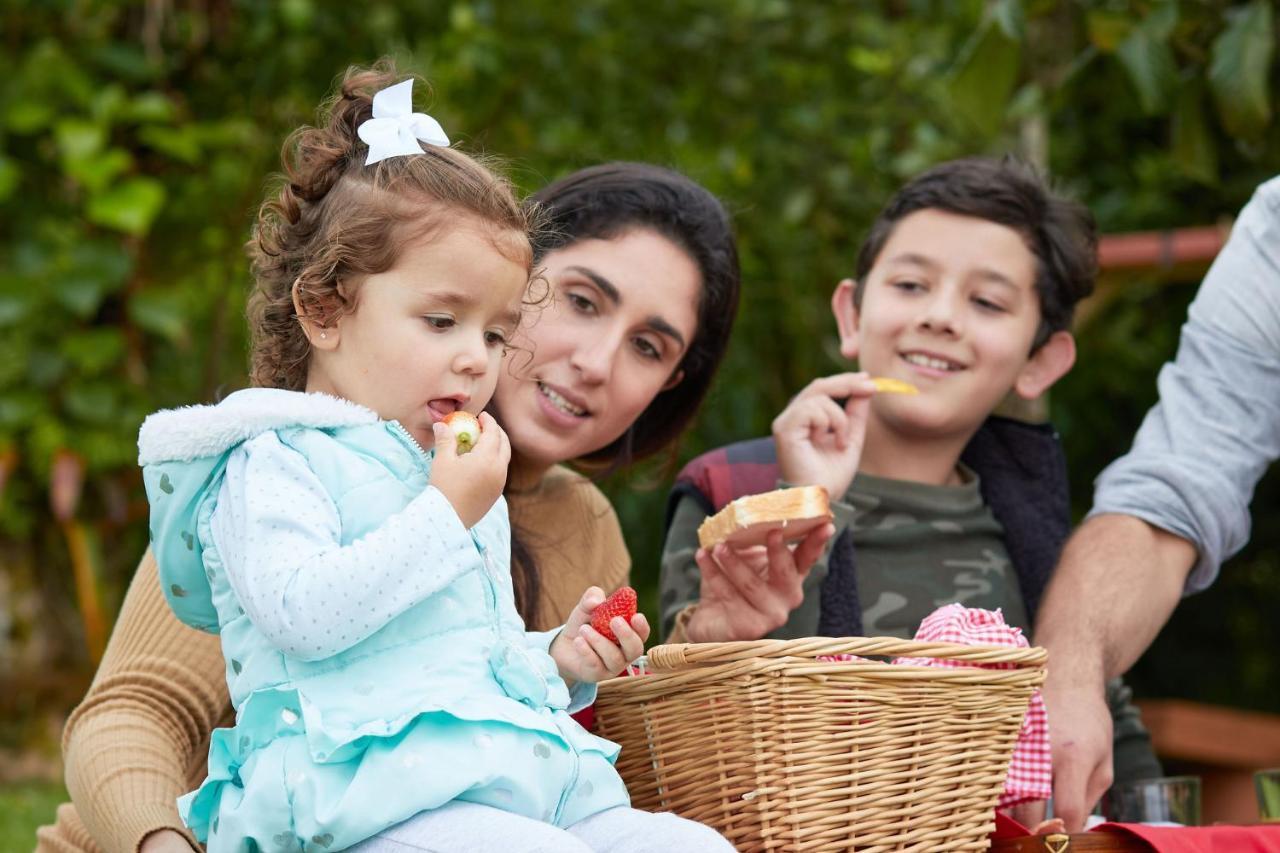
(355, 565)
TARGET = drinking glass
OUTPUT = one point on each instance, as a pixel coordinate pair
(1171, 799)
(1267, 783)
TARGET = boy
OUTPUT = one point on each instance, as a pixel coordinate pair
(965, 287)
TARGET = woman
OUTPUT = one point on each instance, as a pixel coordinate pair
(644, 276)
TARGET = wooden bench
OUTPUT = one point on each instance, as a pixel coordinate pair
(1223, 746)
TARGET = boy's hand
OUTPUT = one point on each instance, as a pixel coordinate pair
(472, 483)
(819, 441)
(747, 593)
(582, 653)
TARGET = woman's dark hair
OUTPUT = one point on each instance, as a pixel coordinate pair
(606, 201)
(1060, 232)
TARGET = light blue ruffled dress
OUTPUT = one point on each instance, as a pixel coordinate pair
(450, 699)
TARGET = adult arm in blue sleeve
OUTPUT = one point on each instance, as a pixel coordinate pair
(1167, 513)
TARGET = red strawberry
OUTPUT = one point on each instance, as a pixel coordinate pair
(621, 603)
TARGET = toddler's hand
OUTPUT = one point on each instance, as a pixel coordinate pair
(819, 441)
(473, 482)
(582, 653)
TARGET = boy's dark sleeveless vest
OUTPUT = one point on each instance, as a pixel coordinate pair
(1023, 475)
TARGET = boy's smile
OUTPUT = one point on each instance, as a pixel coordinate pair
(950, 305)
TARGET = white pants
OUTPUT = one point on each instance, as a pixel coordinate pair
(460, 827)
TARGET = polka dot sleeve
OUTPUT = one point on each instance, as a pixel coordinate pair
(278, 532)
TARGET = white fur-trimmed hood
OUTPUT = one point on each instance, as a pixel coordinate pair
(192, 432)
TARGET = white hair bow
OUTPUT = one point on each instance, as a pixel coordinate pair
(395, 128)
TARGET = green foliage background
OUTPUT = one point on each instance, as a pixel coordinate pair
(135, 139)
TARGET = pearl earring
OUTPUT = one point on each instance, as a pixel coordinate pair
(323, 335)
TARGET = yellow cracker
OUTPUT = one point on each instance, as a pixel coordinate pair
(894, 386)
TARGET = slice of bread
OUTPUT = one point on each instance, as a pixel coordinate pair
(747, 520)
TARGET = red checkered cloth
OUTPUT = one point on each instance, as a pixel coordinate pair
(1030, 774)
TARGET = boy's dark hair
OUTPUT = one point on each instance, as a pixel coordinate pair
(1061, 233)
(605, 201)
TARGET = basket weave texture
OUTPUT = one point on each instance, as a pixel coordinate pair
(780, 751)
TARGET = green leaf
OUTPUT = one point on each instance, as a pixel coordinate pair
(94, 402)
(797, 205)
(78, 138)
(129, 207)
(1193, 146)
(124, 59)
(162, 312)
(9, 176)
(149, 108)
(1107, 29)
(1148, 59)
(869, 61)
(13, 358)
(1011, 18)
(94, 351)
(98, 171)
(108, 103)
(106, 258)
(297, 14)
(46, 367)
(88, 273)
(28, 116)
(984, 77)
(79, 292)
(180, 143)
(18, 408)
(1162, 21)
(14, 307)
(1239, 69)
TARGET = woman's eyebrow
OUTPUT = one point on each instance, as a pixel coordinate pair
(611, 293)
(605, 286)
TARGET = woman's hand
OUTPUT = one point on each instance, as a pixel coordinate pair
(582, 653)
(819, 441)
(472, 482)
(165, 841)
(746, 593)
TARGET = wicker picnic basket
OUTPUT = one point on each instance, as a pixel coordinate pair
(781, 751)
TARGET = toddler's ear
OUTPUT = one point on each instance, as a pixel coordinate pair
(318, 336)
(1046, 366)
(846, 314)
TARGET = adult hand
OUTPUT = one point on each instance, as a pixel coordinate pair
(582, 653)
(1080, 732)
(1125, 601)
(746, 593)
(819, 441)
(472, 482)
(165, 841)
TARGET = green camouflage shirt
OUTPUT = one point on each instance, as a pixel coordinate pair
(918, 547)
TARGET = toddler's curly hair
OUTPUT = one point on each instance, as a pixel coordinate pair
(331, 221)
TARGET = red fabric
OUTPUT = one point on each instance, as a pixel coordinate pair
(1202, 839)
(1170, 839)
(1030, 775)
(586, 717)
(1007, 827)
